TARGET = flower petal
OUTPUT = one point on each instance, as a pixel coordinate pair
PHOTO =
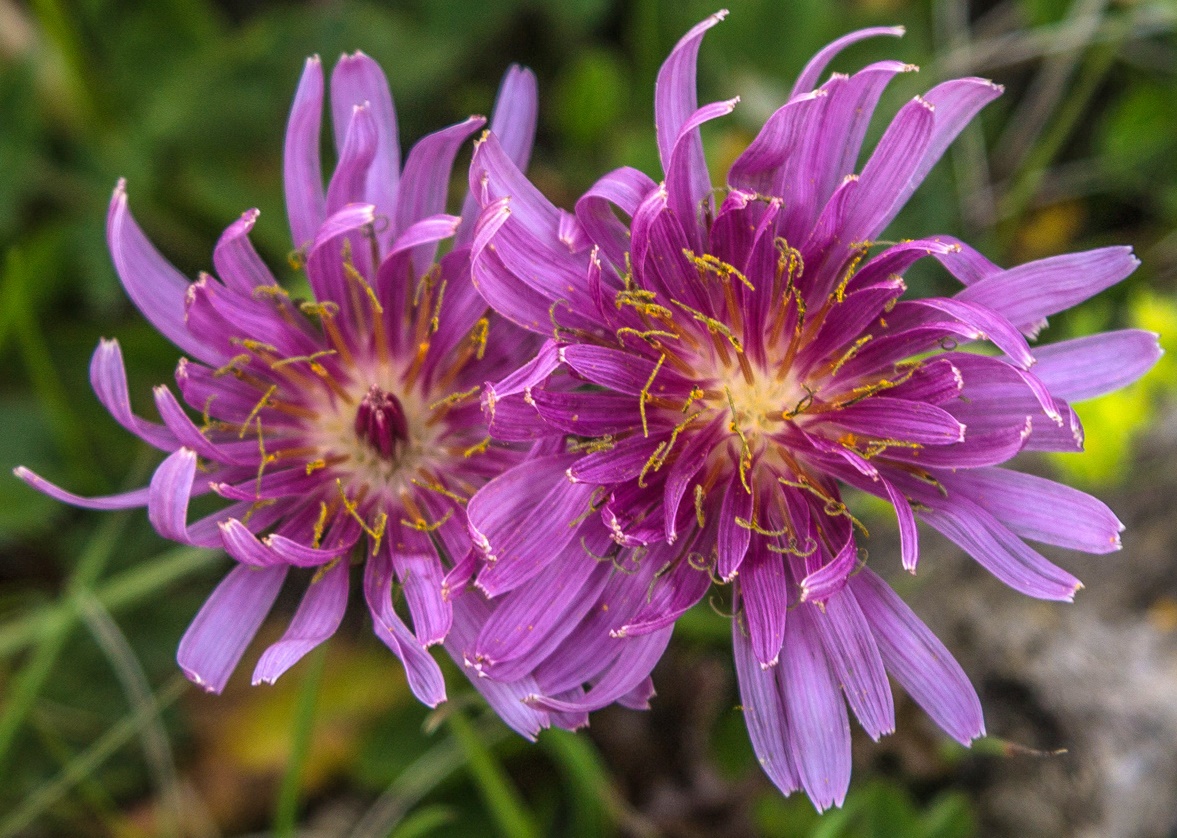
(226, 623)
(303, 171)
(318, 616)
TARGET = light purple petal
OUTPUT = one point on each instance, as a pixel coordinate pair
(108, 377)
(1000, 551)
(318, 616)
(125, 500)
(423, 673)
(856, 663)
(813, 70)
(226, 623)
(764, 714)
(358, 80)
(1094, 365)
(918, 660)
(1026, 294)
(765, 595)
(819, 730)
(303, 170)
(235, 260)
(156, 288)
(349, 181)
(170, 489)
(675, 98)
(1041, 509)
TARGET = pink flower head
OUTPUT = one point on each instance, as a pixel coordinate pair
(722, 362)
(346, 427)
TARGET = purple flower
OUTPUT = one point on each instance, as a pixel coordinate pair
(342, 429)
(721, 363)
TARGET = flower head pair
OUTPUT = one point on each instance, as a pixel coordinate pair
(683, 380)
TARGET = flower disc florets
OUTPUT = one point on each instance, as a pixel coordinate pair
(342, 430)
(722, 363)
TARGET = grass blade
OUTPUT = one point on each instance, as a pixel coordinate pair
(286, 810)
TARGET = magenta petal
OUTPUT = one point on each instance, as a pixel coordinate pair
(230, 617)
(420, 573)
(108, 377)
(303, 172)
(471, 612)
(765, 595)
(318, 616)
(819, 730)
(631, 668)
(1091, 366)
(674, 93)
(513, 121)
(855, 661)
(170, 489)
(813, 70)
(919, 662)
(126, 500)
(764, 714)
(733, 538)
(426, 177)
(157, 289)
(422, 671)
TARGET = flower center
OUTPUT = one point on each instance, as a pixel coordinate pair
(380, 423)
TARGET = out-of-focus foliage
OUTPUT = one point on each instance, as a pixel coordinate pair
(187, 99)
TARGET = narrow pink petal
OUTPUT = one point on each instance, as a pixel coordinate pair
(108, 377)
(1094, 365)
(623, 188)
(349, 181)
(919, 661)
(156, 288)
(228, 621)
(764, 714)
(236, 262)
(733, 538)
(813, 70)
(303, 173)
(856, 663)
(420, 572)
(423, 673)
(126, 500)
(631, 668)
(318, 616)
(819, 730)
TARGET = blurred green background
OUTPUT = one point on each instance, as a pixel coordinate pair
(187, 99)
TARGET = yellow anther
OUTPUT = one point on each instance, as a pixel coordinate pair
(204, 413)
(315, 465)
(254, 507)
(713, 326)
(297, 259)
(325, 309)
(456, 398)
(645, 396)
(375, 531)
(751, 524)
(441, 490)
(421, 525)
(803, 405)
(699, 496)
(257, 408)
(320, 525)
(478, 337)
(309, 359)
(350, 271)
(851, 352)
(479, 448)
(325, 569)
(270, 291)
(650, 336)
(708, 263)
(860, 250)
(233, 365)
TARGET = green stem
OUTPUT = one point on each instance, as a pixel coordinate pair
(286, 810)
(90, 760)
(26, 686)
(131, 586)
(500, 795)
